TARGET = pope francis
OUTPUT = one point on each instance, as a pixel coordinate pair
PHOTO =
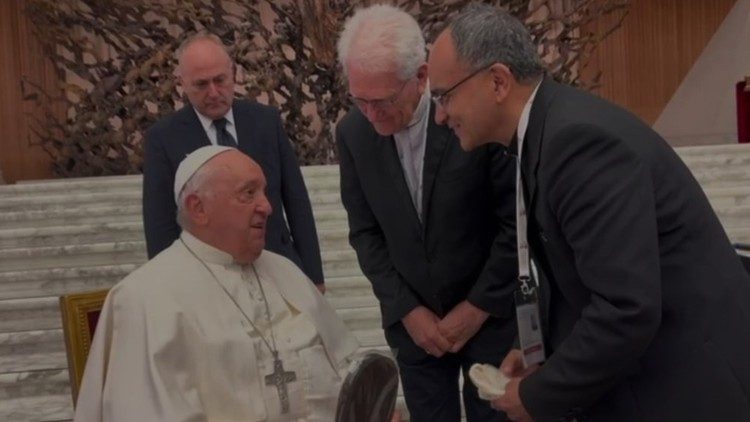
(215, 328)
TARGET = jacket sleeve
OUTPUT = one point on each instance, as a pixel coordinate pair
(493, 291)
(601, 195)
(297, 207)
(159, 207)
(366, 237)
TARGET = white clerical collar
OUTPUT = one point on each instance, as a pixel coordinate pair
(422, 112)
(523, 122)
(207, 122)
(204, 251)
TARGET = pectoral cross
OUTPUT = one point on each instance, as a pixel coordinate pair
(280, 379)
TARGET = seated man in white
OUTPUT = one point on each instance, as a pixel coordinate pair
(214, 327)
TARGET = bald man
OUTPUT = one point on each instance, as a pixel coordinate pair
(214, 117)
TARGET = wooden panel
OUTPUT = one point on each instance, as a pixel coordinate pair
(644, 62)
(20, 55)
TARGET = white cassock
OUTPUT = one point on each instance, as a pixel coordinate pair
(171, 345)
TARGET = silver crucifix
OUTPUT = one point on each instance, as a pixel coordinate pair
(280, 379)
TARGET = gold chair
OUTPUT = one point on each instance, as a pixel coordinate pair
(80, 314)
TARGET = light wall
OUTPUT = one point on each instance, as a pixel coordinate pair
(644, 61)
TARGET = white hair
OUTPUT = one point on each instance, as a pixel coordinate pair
(382, 38)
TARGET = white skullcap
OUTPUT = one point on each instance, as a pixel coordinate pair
(191, 163)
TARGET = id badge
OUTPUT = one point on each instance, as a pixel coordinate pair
(529, 327)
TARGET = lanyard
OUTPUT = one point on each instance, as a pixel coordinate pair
(522, 242)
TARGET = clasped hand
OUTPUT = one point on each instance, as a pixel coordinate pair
(450, 334)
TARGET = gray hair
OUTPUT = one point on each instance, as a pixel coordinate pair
(484, 35)
(197, 184)
(199, 36)
(381, 37)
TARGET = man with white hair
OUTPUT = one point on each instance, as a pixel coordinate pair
(432, 225)
(215, 327)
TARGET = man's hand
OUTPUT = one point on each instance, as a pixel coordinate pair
(461, 323)
(321, 288)
(510, 402)
(421, 324)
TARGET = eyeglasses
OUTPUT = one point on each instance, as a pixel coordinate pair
(441, 99)
(379, 104)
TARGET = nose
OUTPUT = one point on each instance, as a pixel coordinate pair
(441, 117)
(264, 206)
(371, 112)
(213, 89)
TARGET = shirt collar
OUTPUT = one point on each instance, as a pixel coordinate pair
(423, 108)
(204, 251)
(207, 122)
(523, 122)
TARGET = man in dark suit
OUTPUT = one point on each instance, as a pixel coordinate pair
(646, 305)
(434, 240)
(206, 74)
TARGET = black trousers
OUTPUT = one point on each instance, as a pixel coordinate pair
(431, 385)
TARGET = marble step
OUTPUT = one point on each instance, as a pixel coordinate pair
(734, 217)
(712, 150)
(329, 238)
(739, 234)
(725, 177)
(24, 384)
(741, 158)
(65, 217)
(83, 199)
(133, 252)
(335, 262)
(122, 214)
(71, 234)
(43, 408)
(722, 197)
(315, 177)
(62, 280)
(350, 295)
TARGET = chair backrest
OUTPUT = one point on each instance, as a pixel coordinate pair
(80, 314)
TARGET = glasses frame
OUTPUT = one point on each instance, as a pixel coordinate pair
(381, 103)
(443, 98)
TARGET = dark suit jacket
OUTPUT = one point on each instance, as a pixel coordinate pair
(446, 259)
(262, 137)
(647, 305)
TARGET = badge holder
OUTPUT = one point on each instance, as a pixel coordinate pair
(529, 324)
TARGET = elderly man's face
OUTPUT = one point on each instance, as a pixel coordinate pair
(238, 209)
(207, 76)
(465, 99)
(387, 101)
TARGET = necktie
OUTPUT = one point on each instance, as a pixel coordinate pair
(223, 137)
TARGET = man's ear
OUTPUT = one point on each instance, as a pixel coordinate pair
(422, 77)
(502, 81)
(196, 210)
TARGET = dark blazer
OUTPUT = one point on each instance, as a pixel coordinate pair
(262, 137)
(446, 259)
(647, 305)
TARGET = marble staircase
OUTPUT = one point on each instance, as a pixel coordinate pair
(72, 235)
